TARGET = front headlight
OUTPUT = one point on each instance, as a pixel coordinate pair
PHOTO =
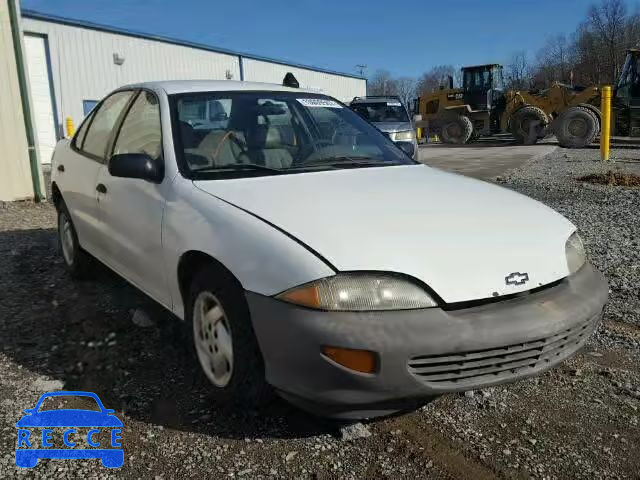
(359, 292)
(407, 136)
(575, 253)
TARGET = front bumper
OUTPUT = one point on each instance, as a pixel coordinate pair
(423, 353)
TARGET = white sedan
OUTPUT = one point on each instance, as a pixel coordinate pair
(309, 255)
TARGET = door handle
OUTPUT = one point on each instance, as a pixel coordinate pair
(61, 168)
(101, 188)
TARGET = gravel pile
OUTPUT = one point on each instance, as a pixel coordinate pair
(577, 421)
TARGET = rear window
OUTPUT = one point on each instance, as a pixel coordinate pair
(379, 112)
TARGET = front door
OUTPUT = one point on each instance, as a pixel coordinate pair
(131, 208)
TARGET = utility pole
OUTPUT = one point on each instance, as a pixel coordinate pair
(361, 69)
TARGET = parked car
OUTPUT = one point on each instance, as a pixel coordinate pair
(307, 253)
(391, 117)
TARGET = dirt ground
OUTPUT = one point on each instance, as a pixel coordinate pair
(577, 421)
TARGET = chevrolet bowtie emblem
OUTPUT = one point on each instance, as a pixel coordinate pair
(516, 278)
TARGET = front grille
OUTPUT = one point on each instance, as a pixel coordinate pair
(496, 364)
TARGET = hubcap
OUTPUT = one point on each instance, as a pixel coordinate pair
(577, 127)
(454, 130)
(66, 238)
(212, 337)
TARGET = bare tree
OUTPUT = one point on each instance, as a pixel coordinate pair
(381, 83)
(518, 75)
(406, 90)
(432, 80)
(609, 22)
(553, 62)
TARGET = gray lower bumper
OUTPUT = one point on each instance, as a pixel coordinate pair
(423, 353)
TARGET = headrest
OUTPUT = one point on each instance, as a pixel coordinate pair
(264, 136)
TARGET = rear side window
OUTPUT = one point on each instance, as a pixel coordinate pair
(102, 123)
(82, 132)
(140, 131)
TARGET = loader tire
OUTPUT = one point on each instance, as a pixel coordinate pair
(576, 127)
(458, 130)
(528, 125)
(595, 111)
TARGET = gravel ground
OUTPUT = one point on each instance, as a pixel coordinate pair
(577, 421)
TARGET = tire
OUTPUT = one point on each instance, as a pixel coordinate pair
(528, 124)
(596, 112)
(457, 130)
(576, 127)
(225, 337)
(76, 260)
(475, 136)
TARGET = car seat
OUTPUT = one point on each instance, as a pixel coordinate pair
(267, 146)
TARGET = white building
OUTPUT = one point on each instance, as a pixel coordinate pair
(72, 64)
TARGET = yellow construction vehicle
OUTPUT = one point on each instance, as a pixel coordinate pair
(483, 107)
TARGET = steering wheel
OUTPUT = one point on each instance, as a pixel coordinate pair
(229, 136)
(312, 147)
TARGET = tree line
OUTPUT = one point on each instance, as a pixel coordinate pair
(593, 54)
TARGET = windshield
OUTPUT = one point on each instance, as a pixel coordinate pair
(477, 80)
(249, 133)
(391, 111)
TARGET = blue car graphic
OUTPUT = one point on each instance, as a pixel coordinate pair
(104, 419)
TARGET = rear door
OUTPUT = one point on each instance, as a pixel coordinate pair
(78, 165)
(131, 208)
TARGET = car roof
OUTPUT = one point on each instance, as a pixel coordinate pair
(171, 87)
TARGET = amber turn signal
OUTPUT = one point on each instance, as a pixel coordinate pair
(359, 360)
(307, 296)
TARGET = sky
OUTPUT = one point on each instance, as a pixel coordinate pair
(405, 37)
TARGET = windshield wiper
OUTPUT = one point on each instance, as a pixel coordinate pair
(238, 167)
(342, 162)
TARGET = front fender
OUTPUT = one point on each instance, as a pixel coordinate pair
(262, 258)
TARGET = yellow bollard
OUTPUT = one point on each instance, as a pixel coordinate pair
(419, 133)
(605, 131)
(70, 129)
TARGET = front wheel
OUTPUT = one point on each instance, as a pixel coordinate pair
(457, 130)
(528, 125)
(223, 340)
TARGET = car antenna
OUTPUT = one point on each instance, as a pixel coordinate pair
(290, 81)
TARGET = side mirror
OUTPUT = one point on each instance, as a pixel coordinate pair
(30, 410)
(136, 165)
(417, 118)
(406, 147)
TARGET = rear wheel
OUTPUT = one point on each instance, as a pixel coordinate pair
(576, 127)
(457, 130)
(528, 125)
(223, 341)
(77, 261)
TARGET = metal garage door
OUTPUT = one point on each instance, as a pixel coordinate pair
(39, 83)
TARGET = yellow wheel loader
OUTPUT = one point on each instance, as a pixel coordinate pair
(483, 107)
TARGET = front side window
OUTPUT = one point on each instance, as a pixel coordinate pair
(140, 131)
(276, 132)
(379, 112)
(104, 119)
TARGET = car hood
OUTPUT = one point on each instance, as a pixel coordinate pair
(69, 418)
(458, 235)
(389, 127)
